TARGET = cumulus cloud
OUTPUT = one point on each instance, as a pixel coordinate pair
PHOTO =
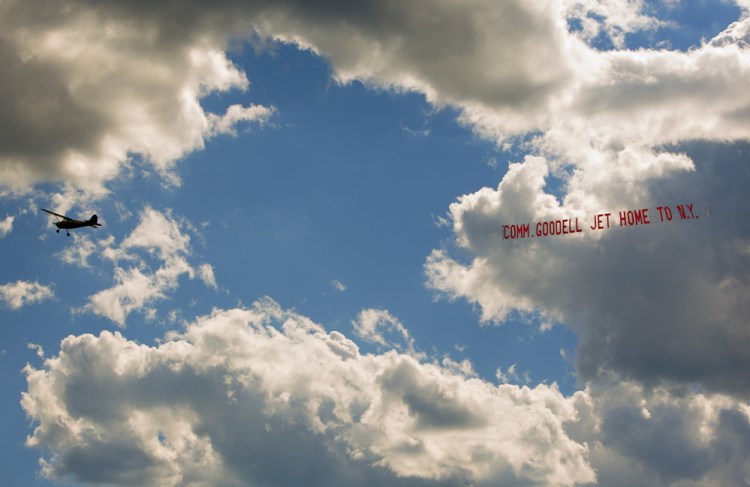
(120, 80)
(134, 289)
(86, 87)
(158, 233)
(20, 293)
(657, 302)
(141, 280)
(205, 406)
(242, 394)
(79, 253)
(512, 68)
(663, 437)
(116, 79)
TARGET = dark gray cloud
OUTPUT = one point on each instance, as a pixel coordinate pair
(679, 298)
(664, 437)
(39, 118)
(130, 76)
(87, 87)
(88, 84)
(664, 302)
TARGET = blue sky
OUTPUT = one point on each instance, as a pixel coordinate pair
(300, 250)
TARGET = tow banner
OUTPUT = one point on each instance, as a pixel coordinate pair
(605, 221)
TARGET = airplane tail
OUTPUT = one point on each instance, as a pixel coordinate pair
(93, 221)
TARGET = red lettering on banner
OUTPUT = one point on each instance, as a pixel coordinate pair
(683, 210)
(665, 212)
(632, 218)
(557, 227)
(600, 221)
(578, 228)
(643, 216)
(516, 231)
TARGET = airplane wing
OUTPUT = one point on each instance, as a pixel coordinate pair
(57, 215)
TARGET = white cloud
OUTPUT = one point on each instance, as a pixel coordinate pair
(206, 274)
(6, 226)
(511, 376)
(244, 393)
(615, 18)
(134, 289)
(158, 233)
(20, 293)
(382, 328)
(78, 253)
(38, 349)
(338, 285)
(226, 124)
(141, 284)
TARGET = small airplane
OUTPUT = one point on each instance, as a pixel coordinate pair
(68, 223)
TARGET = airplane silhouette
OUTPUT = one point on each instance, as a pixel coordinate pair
(68, 224)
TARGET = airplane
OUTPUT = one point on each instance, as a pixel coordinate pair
(68, 223)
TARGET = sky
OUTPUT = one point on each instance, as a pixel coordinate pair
(478, 243)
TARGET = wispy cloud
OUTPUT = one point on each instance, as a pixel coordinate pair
(338, 285)
(6, 226)
(380, 327)
(206, 273)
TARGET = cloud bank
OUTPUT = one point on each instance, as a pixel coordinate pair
(117, 80)
(264, 396)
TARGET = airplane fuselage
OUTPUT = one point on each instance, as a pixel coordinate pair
(74, 224)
